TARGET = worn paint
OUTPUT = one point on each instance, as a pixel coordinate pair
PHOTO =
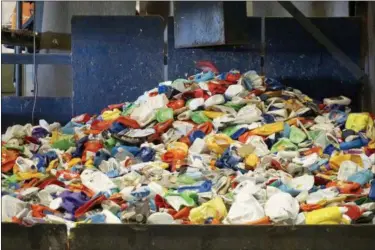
(242, 57)
(114, 59)
(18, 110)
(298, 60)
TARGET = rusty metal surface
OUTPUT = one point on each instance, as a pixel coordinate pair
(18, 37)
(181, 237)
(37, 237)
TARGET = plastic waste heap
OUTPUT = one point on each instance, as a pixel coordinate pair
(214, 148)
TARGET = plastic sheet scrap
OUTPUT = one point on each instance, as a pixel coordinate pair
(215, 148)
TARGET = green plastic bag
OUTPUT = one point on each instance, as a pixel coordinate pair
(314, 133)
(63, 144)
(17, 148)
(184, 179)
(234, 106)
(128, 109)
(110, 143)
(191, 198)
(199, 117)
(164, 114)
(229, 131)
(283, 144)
(297, 135)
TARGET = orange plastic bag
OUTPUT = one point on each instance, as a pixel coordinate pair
(128, 122)
(8, 159)
(101, 125)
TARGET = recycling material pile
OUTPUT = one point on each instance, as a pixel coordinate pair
(215, 148)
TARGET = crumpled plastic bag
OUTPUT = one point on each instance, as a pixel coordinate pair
(245, 209)
(281, 207)
(214, 208)
(358, 121)
(97, 181)
(328, 215)
(218, 143)
(257, 142)
(296, 135)
(323, 195)
(10, 207)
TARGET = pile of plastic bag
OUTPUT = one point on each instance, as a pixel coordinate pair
(215, 148)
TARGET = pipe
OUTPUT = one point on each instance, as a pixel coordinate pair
(17, 50)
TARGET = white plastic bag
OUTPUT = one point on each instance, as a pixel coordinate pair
(245, 209)
(96, 181)
(281, 207)
(347, 168)
(261, 149)
(10, 207)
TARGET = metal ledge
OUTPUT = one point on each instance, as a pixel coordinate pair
(39, 59)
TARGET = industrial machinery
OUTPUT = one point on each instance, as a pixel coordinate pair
(118, 58)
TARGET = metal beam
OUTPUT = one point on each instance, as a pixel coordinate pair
(18, 67)
(337, 53)
(18, 37)
(39, 59)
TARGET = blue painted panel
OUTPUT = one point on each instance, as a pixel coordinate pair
(114, 59)
(245, 57)
(209, 23)
(298, 60)
(8, 58)
(18, 110)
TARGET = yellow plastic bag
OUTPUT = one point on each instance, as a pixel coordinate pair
(21, 176)
(337, 159)
(111, 114)
(73, 162)
(328, 215)
(160, 164)
(55, 136)
(218, 143)
(89, 163)
(358, 121)
(370, 130)
(268, 129)
(212, 114)
(252, 160)
(178, 146)
(53, 164)
(371, 144)
(214, 208)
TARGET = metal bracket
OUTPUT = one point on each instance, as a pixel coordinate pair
(45, 40)
(337, 53)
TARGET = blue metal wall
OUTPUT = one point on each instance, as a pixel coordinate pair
(298, 60)
(115, 59)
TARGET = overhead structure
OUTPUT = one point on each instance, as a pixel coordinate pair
(199, 24)
(336, 52)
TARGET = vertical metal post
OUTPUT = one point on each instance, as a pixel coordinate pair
(17, 50)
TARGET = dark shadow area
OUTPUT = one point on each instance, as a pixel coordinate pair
(37, 237)
(89, 236)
